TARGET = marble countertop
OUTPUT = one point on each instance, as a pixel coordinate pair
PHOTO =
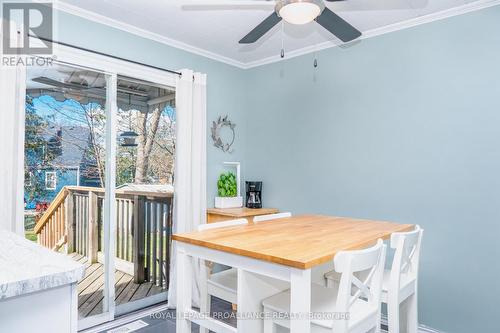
(27, 267)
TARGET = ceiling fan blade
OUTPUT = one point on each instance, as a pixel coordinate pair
(55, 83)
(261, 29)
(337, 26)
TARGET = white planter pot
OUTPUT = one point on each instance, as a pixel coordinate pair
(228, 202)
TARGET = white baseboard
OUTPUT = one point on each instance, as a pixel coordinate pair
(421, 328)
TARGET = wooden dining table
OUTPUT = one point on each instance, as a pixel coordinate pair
(285, 249)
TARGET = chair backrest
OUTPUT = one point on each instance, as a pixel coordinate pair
(269, 217)
(205, 270)
(223, 224)
(361, 280)
(406, 257)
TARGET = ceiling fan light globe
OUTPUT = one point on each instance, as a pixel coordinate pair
(299, 12)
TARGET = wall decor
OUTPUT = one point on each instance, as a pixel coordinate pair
(217, 126)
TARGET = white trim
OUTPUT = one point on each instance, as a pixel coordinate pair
(74, 10)
(421, 328)
(427, 329)
(92, 321)
(109, 225)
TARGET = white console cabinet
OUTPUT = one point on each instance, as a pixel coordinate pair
(38, 287)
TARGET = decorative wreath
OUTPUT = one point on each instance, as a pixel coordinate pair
(216, 128)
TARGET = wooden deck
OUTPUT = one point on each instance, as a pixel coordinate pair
(90, 288)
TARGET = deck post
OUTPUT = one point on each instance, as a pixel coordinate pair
(170, 211)
(69, 215)
(138, 238)
(93, 229)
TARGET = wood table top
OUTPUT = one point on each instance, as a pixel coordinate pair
(242, 211)
(300, 241)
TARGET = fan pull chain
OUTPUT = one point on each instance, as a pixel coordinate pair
(315, 64)
(282, 39)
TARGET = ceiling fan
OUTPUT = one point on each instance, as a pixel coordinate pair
(295, 12)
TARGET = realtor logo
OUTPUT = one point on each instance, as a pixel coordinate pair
(36, 20)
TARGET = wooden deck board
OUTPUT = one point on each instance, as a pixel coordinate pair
(95, 299)
(118, 278)
(89, 280)
(128, 293)
(142, 291)
(90, 288)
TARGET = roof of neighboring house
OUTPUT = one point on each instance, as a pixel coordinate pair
(74, 143)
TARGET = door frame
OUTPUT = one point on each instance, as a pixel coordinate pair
(111, 68)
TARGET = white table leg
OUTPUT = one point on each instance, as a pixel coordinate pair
(205, 298)
(184, 289)
(300, 302)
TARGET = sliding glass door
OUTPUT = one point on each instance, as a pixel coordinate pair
(99, 167)
(65, 173)
(144, 192)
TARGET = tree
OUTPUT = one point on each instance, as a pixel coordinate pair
(96, 122)
(152, 161)
(35, 148)
(147, 125)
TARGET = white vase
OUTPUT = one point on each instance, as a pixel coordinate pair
(228, 202)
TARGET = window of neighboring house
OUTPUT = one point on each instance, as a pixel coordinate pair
(50, 180)
(28, 181)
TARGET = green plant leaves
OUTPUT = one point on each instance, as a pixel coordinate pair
(227, 185)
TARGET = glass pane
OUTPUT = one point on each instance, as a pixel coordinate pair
(144, 177)
(65, 155)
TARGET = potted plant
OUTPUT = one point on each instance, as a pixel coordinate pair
(227, 190)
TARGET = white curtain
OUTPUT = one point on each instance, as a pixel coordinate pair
(12, 101)
(190, 167)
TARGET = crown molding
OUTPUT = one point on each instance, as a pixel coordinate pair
(460, 10)
(98, 18)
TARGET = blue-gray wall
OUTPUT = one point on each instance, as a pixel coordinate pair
(225, 87)
(402, 127)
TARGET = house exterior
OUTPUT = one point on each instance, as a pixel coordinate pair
(63, 162)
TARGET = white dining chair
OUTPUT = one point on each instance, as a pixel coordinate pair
(222, 284)
(400, 282)
(269, 217)
(358, 299)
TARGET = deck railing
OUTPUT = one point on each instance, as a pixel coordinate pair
(74, 223)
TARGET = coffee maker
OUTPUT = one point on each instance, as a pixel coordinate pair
(254, 195)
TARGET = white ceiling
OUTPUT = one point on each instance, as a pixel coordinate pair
(216, 33)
